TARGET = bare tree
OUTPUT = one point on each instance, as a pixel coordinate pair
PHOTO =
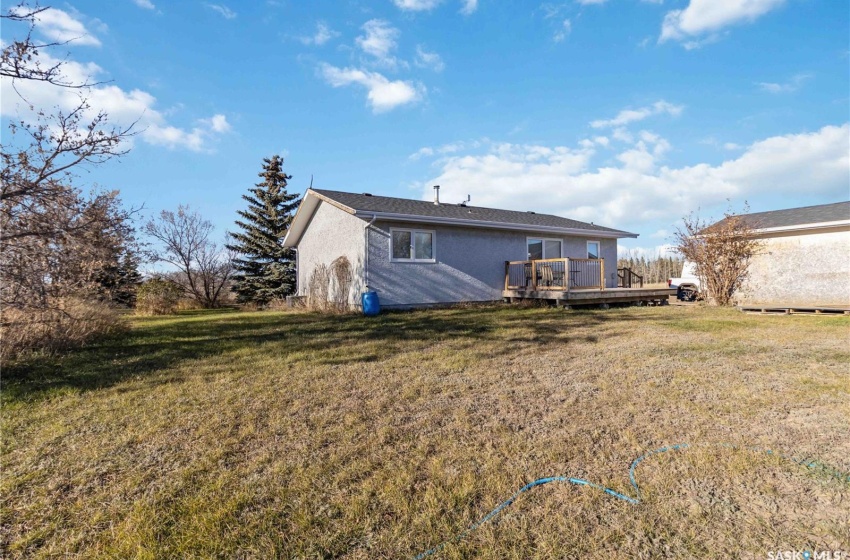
(20, 59)
(204, 266)
(721, 252)
(56, 243)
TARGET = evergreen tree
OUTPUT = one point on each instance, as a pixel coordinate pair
(264, 269)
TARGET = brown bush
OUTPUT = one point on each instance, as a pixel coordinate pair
(158, 296)
(280, 304)
(318, 289)
(68, 323)
(188, 304)
(329, 286)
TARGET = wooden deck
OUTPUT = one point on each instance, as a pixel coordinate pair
(569, 281)
(653, 296)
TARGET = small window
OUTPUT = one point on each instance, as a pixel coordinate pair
(592, 249)
(412, 245)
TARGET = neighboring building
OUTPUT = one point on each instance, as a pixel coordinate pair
(415, 253)
(805, 261)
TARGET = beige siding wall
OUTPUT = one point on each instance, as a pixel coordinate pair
(811, 269)
(332, 233)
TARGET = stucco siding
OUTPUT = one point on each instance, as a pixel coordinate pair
(470, 264)
(805, 270)
(332, 233)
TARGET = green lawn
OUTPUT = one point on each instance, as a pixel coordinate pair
(230, 434)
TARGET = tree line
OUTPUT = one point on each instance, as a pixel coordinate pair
(655, 269)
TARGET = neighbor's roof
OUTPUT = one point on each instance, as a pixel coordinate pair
(388, 208)
(807, 217)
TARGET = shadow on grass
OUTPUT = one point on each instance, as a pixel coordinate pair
(155, 345)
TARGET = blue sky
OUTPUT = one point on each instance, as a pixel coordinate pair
(628, 113)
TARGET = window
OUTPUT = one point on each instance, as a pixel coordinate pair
(592, 249)
(543, 248)
(412, 245)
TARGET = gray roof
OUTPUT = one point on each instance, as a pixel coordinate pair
(834, 212)
(421, 208)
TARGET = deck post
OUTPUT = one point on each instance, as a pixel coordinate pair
(507, 273)
(567, 274)
(601, 274)
(534, 275)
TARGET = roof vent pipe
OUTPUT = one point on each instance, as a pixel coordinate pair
(436, 194)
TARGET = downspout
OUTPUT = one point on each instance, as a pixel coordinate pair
(366, 249)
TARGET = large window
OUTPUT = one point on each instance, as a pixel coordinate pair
(592, 249)
(412, 245)
(543, 248)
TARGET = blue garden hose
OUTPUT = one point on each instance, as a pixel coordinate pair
(808, 463)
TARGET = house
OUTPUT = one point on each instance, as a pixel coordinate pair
(419, 253)
(805, 261)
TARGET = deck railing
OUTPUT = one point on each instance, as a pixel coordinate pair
(628, 278)
(555, 274)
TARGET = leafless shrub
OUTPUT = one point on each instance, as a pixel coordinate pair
(63, 324)
(318, 288)
(188, 304)
(280, 304)
(341, 278)
(329, 286)
(158, 296)
(721, 253)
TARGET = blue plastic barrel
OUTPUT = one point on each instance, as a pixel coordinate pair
(371, 305)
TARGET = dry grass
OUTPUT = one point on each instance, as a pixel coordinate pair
(298, 435)
(66, 323)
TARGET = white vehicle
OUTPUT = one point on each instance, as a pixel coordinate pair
(688, 286)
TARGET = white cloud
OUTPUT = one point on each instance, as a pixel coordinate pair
(551, 10)
(627, 116)
(383, 94)
(223, 10)
(218, 123)
(469, 7)
(421, 152)
(590, 2)
(417, 5)
(425, 59)
(561, 34)
(322, 35)
(146, 4)
(706, 17)
(792, 85)
(450, 148)
(61, 27)
(122, 107)
(562, 180)
(379, 40)
(731, 146)
(623, 135)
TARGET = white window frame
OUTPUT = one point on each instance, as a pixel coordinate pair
(544, 240)
(413, 233)
(598, 253)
